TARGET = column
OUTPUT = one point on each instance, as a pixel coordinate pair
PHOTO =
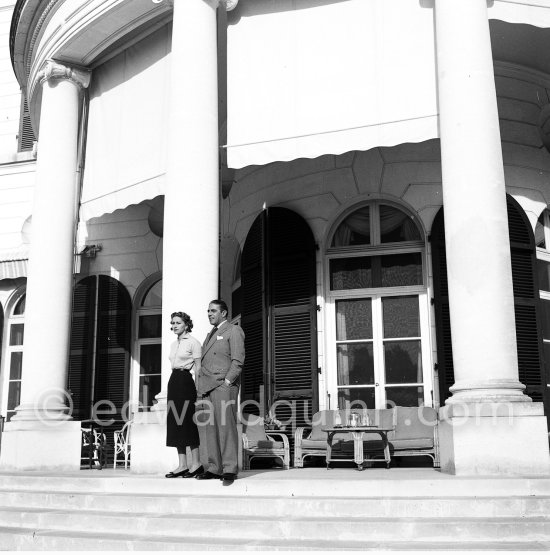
(42, 434)
(191, 206)
(488, 425)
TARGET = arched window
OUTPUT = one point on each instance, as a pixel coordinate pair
(378, 309)
(147, 370)
(14, 356)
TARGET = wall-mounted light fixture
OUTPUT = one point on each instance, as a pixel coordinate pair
(90, 251)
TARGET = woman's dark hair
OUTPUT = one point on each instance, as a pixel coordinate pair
(185, 317)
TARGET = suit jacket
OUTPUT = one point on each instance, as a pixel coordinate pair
(222, 357)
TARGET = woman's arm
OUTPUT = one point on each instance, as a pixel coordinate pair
(196, 368)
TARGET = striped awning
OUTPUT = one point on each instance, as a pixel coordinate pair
(13, 264)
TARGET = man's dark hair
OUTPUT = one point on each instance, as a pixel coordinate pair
(221, 304)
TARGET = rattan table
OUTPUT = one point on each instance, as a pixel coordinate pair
(357, 433)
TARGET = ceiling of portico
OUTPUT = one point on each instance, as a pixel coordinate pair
(522, 45)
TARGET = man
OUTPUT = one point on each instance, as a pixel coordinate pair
(218, 383)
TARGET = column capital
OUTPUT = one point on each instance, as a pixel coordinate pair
(55, 70)
(230, 4)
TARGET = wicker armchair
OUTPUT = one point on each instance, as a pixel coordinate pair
(257, 442)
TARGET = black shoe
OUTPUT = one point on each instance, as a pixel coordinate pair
(195, 473)
(228, 478)
(182, 473)
(207, 476)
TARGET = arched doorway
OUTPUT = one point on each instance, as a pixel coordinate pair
(526, 304)
(279, 316)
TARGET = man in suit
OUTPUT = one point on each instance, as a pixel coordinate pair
(218, 384)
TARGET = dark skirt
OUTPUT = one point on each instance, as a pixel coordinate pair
(181, 430)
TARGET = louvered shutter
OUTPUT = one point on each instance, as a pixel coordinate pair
(441, 306)
(26, 135)
(254, 317)
(526, 304)
(292, 317)
(113, 344)
(81, 353)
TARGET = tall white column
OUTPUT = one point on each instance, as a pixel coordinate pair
(481, 299)
(191, 206)
(44, 411)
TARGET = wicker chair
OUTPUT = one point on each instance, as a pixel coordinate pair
(257, 442)
(122, 444)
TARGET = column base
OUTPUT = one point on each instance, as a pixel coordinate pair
(36, 445)
(508, 439)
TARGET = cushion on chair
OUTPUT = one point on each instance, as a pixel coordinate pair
(265, 444)
(253, 427)
(419, 443)
(414, 423)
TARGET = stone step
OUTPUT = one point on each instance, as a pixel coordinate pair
(272, 506)
(29, 539)
(328, 528)
(341, 482)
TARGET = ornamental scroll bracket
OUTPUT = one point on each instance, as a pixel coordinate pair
(55, 70)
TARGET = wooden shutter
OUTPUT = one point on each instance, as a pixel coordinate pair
(292, 316)
(254, 318)
(526, 304)
(81, 355)
(26, 135)
(113, 344)
(445, 370)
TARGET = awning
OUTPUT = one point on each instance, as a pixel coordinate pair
(13, 264)
(126, 138)
(328, 78)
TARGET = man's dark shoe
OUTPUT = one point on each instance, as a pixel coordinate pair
(207, 476)
(228, 478)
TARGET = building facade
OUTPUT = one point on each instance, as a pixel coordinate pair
(368, 190)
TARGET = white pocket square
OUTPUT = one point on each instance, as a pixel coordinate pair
(218, 337)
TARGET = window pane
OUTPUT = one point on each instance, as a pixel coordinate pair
(399, 270)
(539, 233)
(14, 395)
(354, 230)
(16, 363)
(153, 297)
(19, 309)
(543, 269)
(16, 334)
(355, 364)
(350, 273)
(150, 359)
(403, 362)
(354, 397)
(149, 386)
(354, 319)
(404, 396)
(401, 317)
(396, 226)
(150, 326)
(545, 313)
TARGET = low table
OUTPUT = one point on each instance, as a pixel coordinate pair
(357, 433)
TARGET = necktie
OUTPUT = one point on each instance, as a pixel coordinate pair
(214, 330)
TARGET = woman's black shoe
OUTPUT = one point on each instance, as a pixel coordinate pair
(196, 472)
(182, 473)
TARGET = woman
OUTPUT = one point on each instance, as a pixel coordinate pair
(181, 430)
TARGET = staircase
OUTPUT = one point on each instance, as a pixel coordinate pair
(298, 509)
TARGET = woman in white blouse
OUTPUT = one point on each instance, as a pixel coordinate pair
(181, 430)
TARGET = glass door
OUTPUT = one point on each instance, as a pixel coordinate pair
(379, 352)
